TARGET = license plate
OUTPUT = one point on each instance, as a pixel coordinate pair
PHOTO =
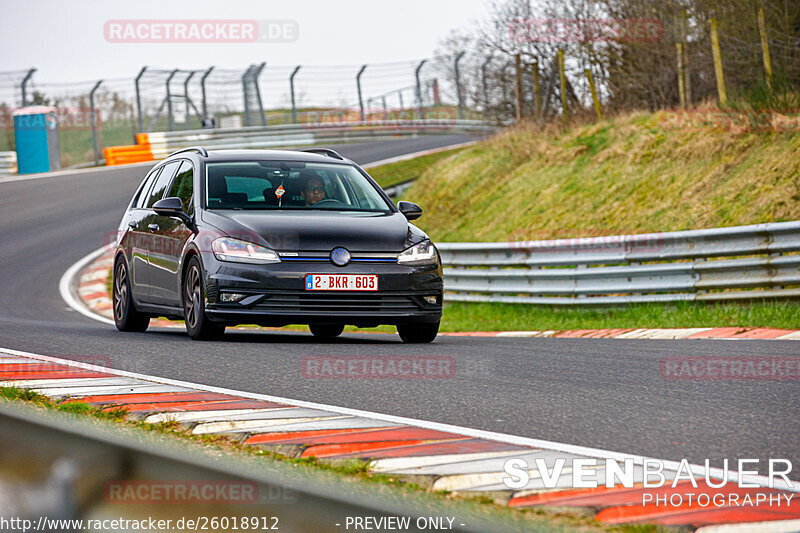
(341, 282)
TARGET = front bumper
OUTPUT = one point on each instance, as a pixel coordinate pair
(276, 294)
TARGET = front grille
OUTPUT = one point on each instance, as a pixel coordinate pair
(360, 303)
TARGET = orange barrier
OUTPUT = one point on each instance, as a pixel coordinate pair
(121, 155)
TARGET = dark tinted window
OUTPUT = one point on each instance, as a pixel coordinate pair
(182, 185)
(162, 182)
(142, 195)
(290, 185)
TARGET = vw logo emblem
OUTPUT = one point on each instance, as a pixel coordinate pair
(340, 256)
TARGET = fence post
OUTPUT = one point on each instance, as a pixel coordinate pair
(681, 76)
(485, 87)
(687, 73)
(458, 86)
(291, 91)
(518, 86)
(187, 116)
(762, 29)
(537, 90)
(563, 78)
(256, 75)
(203, 90)
(93, 113)
(420, 105)
(723, 96)
(24, 84)
(360, 97)
(170, 118)
(139, 98)
(245, 78)
(596, 100)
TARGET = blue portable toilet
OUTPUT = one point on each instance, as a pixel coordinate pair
(36, 138)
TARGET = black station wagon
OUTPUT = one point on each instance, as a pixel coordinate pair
(266, 237)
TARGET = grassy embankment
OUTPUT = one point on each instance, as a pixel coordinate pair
(632, 174)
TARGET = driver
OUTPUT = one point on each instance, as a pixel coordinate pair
(314, 190)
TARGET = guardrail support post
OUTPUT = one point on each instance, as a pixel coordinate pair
(458, 86)
(24, 84)
(358, 86)
(94, 123)
(139, 98)
(203, 90)
(420, 105)
(291, 89)
(170, 118)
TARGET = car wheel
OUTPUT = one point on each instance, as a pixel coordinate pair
(198, 325)
(326, 331)
(419, 332)
(126, 316)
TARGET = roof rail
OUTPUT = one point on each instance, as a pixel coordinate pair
(325, 151)
(199, 149)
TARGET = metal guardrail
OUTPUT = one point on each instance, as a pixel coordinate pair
(298, 134)
(8, 163)
(734, 263)
(67, 467)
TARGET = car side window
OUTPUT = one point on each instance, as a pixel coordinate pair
(147, 184)
(162, 182)
(182, 185)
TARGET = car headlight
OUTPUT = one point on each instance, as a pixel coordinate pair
(229, 249)
(420, 254)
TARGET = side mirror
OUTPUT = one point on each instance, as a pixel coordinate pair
(171, 207)
(411, 210)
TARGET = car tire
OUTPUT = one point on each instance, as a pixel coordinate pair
(418, 332)
(198, 325)
(126, 316)
(326, 331)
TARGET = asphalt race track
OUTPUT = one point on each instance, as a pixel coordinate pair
(592, 392)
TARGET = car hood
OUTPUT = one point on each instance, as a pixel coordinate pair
(319, 230)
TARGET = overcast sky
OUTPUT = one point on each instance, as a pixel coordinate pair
(65, 40)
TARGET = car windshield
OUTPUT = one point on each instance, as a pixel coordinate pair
(269, 185)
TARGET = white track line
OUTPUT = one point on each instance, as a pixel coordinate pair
(72, 172)
(66, 283)
(406, 157)
(697, 470)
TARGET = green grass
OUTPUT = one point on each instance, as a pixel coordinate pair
(521, 317)
(411, 169)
